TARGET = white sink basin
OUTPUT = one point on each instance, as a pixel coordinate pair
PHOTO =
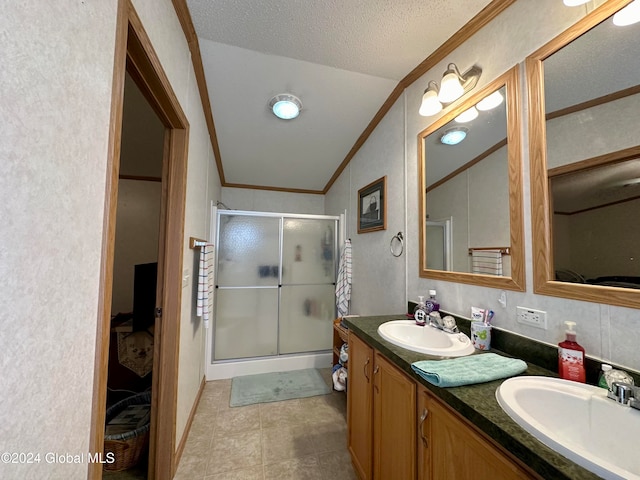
(578, 421)
(429, 340)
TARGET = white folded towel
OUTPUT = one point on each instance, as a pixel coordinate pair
(204, 302)
(488, 262)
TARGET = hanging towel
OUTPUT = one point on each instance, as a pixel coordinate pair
(343, 283)
(477, 368)
(204, 303)
(487, 262)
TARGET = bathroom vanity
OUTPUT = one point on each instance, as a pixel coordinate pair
(402, 427)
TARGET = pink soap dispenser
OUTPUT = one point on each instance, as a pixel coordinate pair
(571, 357)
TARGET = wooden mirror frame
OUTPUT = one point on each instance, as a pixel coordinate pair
(516, 281)
(543, 267)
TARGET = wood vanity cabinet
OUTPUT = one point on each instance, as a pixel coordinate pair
(449, 447)
(360, 406)
(399, 430)
(381, 416)
(394, 422)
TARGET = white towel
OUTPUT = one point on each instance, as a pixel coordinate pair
(343, 283)
(204, 303)
(487, 262)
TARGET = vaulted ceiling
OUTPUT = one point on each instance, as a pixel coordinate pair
(347, 60)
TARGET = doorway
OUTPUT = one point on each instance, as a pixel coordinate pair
(438, 240)
(134, 55)
(134, 288)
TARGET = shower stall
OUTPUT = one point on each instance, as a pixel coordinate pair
(275, 293)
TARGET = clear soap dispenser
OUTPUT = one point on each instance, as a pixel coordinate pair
(420, 312)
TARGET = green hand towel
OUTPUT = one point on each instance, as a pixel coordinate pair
(468, 370)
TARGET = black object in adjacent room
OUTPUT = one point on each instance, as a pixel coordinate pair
(145, 278)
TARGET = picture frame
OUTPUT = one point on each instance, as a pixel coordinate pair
(372, 206)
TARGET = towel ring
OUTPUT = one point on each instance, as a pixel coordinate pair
(400, 240)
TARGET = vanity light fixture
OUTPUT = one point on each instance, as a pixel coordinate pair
(467, 115)
(285, 106)
(628, 15)
(489, 102)
(453, 86)
(454, 136)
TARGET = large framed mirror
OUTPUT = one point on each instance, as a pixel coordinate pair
(470, 210)
(584, 99)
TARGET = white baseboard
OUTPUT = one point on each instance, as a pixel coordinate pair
(283, 363)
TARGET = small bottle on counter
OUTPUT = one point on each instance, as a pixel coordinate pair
(571, 357)
(432, 304)
(602, 380)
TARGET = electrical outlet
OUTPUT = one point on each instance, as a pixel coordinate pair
(529, 316)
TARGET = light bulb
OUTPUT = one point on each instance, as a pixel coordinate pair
(628, 15)
(467, 115)
(450, 89)
(430, 104)
(492, 101)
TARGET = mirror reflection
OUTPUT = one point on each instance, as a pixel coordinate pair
(592, 102)
(468, 190)
(596, 222)
(471, 195)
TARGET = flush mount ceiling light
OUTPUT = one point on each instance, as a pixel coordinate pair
(285, 106)
(628, 15)
(452, 87)
(454, 136)
(492, 101)
(467, 115)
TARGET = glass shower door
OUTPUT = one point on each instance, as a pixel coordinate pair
(307, 298)
(247, 279)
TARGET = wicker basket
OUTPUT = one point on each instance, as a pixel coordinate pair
(127, 448)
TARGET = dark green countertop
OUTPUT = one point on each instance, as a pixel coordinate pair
(477, 403)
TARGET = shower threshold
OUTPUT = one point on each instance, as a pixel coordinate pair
(281, 363)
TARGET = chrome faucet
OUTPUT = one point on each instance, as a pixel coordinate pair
(625, 394)
(446, 324)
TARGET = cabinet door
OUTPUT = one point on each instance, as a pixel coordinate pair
(394, 424)
(424, 433)
(457, 451)
(359, 405)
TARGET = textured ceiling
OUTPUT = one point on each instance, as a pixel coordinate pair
(342, 58)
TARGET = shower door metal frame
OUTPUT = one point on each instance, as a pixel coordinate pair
(210, 354)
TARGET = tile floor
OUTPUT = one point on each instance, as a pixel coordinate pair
(304, 438)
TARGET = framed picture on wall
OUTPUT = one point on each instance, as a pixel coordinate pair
(372, 206)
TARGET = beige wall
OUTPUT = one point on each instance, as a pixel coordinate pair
(503, 43)
(203, 186)
(56, 88)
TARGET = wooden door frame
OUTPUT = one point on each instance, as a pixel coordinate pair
(135, 54)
